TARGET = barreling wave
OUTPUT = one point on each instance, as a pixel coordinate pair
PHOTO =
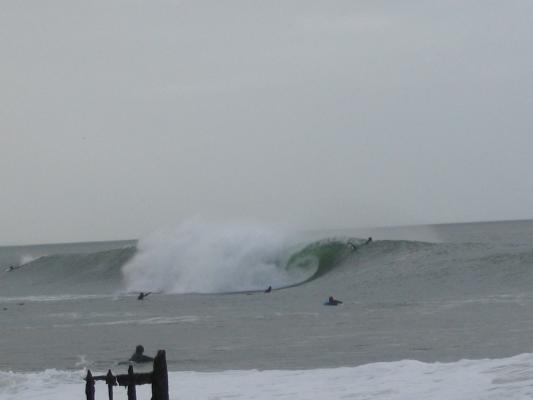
(323, 256)
(210, 258)
(196, 258)
(216, 258)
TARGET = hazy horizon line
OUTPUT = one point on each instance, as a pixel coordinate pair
(305, 231)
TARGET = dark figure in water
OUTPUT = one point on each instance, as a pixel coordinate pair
(333, 302)
(269, 289)
(142, 295)
(139, 357)
(368, 240)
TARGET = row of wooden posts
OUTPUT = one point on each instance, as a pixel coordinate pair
(158, 378)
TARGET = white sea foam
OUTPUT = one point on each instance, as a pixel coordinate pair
(83, 362)
(145, 321)
(53, 298)
(209, 258)
(508, 378)
(90, 314)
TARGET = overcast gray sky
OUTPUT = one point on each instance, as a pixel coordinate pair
(119, 117)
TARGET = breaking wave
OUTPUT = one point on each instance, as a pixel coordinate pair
(194, 258)
(224, 258)
(211, 258)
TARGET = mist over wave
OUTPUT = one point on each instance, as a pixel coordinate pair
(27, 258)
(200, 257)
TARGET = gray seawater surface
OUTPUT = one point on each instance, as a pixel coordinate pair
(467, 296)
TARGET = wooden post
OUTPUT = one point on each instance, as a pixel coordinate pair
(89, 385)
(132, 395)
(111, 381)
(160, 377)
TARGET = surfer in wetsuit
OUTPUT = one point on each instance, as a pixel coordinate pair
(268, 290)
(369, 240)
(333, 301)
(142, 295)
(139, 357)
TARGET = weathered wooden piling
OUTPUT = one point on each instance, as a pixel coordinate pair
(158, 378)
(110, 381)
(89, 385)
(132, 394)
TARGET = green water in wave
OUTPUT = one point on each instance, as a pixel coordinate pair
(323, 256)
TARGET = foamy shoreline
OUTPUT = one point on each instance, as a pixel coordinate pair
(508, 378)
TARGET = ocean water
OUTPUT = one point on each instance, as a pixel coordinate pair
(440, 311)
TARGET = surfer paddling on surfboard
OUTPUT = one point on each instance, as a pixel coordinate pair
(332, 301)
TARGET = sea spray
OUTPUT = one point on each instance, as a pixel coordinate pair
(200, 257)
(27, 258)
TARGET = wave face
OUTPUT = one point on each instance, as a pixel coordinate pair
(211, 258)
(199, 257)
(67, 274)
(194, 258)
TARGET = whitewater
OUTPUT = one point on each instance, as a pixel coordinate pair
(510, 378)
(438, 312)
